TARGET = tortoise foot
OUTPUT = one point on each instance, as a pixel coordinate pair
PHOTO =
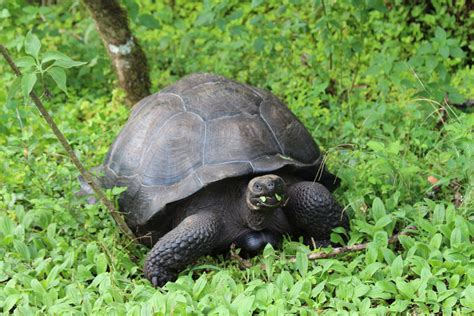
(159, 276)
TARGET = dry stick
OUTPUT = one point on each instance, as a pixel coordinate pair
(244, 263)
(62, 139)
(358, 247)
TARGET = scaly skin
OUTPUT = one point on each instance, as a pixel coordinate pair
(312, 209)
(195, 236)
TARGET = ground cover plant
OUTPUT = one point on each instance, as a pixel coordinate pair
(373, 82)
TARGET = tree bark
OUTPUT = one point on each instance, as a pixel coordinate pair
(127, 56)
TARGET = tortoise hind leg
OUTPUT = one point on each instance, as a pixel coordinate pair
(314, 212)
(253, 243)
(195, 236)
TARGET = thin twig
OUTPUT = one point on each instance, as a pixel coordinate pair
(244, 263)
(356, 72)
(329, 30)
(62, 139)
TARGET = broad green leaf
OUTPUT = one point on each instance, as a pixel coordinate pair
(463, 226)
(376, 146)
(383, 221)
(406, 241)
(14, 88)
(378, 209)
(10, 301)
(255, 3)
(4, 14)
(52, 276)
(27, 83)
(436, 240)
(48, 56)
(91, 251)
(148, 21)
(101, 263)
(440, 35)
(405, 288)
(380, 239)
(199, 286)
(361, 290)
(259, 44)
(457, 52)
(377, 292)
(25, 62)
(444, 51)
(83, 273)
(317, 289)
(468, 297)
(243, 304)
(454, 281)
(399, 305)
(302, 263)
(6, 226)
(37, 287)
(59, 76)
(68, 63)
(448, 304)
(295, 290)
(456, 237)
(438, 214)
(206, 18)
(118, 190)
(387, 286)
(372, 253)
(396, 268)
(147, 309)
(32, 45)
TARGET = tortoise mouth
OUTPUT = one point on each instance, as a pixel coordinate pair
(266, 192)
(263, 202)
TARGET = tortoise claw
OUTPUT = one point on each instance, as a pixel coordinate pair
(154, 281)
(160, 276)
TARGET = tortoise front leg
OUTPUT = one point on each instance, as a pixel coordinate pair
(193, 237)
(313, 211)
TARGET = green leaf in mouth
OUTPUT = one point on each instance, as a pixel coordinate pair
(278, 197)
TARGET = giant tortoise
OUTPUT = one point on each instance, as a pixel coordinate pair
(208, 162)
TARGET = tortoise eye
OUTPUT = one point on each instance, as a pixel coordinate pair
(257, 187)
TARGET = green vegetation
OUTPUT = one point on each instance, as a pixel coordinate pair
(368, 79)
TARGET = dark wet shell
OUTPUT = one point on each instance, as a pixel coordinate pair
(202, 129)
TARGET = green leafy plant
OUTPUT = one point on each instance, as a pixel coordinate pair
(372, 81)
(37, 66)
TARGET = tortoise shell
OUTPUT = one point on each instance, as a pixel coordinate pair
(202, 129)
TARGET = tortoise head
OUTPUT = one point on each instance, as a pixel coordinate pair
(266, 192)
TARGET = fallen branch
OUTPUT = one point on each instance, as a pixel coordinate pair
(244, 263)
(62, 139)
(358, 247)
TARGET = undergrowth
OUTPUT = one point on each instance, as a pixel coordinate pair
(373, 81)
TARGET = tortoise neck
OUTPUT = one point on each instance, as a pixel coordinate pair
(255, 219)
(258, 219)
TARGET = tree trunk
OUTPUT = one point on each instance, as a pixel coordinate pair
(127, 56)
